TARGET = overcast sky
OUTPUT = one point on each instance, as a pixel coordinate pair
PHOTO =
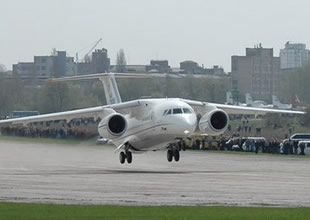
(206, 31)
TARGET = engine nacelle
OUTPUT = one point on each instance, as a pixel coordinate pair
(112, 126)
(214, 122)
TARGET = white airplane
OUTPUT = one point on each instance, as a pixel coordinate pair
(230, 100)
(148, 124)
(277, 104)
(257, 103)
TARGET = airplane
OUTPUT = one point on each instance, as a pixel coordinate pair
(277, 104)
(143, 125)
(257, 103)
(230, 100)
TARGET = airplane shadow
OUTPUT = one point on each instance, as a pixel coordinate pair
(117, 171)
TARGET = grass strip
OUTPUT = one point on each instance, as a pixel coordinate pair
(59, 212)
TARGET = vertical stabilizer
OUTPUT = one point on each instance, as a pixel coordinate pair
(248, 99)
(229, 98)
(295, 100)
(275, 100)
(110, 89)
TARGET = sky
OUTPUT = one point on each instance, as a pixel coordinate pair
(206, 31)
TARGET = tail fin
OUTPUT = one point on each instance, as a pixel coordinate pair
(275, 100)
(248, 99)
(229, 98)
(295, 100)
(110, 89)
(108, 81)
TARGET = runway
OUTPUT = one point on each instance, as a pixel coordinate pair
(91, 174)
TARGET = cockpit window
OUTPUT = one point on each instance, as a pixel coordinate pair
(187, 111)
(165, 112)
(177, 111)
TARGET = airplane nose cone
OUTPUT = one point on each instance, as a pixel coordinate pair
(188, 124)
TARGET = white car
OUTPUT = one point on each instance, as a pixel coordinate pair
(307, 147)
(102, 140)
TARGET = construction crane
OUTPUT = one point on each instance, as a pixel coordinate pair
(87, 54)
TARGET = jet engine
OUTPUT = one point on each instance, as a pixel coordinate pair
(112, 126)
(214, 122)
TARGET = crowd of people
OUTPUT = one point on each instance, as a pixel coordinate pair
(85, 128)
(247, 144)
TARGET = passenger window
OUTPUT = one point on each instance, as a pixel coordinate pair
(187, 111)
(177, 111)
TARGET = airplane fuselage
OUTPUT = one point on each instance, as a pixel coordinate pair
(160, 123)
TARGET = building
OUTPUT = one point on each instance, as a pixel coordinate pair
(55, 65)
(191, 67)
(70, 66)
(24, 69)
(256, 73)
(98, 63)
(294, 55)
(216, 70)
(60, 63)
(44, 65)
(130, 68)
(159, 66)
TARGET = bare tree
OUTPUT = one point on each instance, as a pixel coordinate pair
(2, 68)
(121, 61)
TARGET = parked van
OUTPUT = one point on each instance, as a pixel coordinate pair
(300, 137)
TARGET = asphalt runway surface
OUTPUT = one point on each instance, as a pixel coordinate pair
(91, 174)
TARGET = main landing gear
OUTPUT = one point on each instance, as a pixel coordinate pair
(173, 153)
(123, 156)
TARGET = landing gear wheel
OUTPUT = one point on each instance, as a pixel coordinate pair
(176, 155)
(129, 156)
(122, 157)
(169, 155)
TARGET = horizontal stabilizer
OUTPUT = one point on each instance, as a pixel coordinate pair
(108, 81)
(101, 75)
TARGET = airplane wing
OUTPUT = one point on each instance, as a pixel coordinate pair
(95, 112)
(201, 107)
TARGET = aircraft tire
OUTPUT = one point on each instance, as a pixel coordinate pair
(122, 157)
(169, 155)
(129, 156)
(176, 155)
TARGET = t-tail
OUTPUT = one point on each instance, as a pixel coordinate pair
(277, 104)
(248, 99)
(295, 100)
(110, 89)
(229, 98)
(275, 101)
(108, 81)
